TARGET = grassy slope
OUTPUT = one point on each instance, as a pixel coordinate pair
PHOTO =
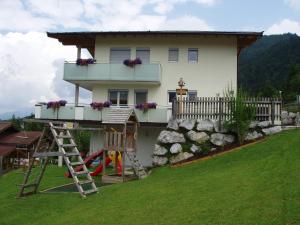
(257, 185)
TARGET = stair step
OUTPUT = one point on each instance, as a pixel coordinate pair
(81, 172)
(90, 191)
(76, 163)
(81, 182)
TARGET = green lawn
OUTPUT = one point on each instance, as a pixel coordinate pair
(257, 185)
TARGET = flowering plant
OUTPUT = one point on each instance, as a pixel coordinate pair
(100, 105)
(56, 104)
(132, 63)
(145, 106)
(85, 62)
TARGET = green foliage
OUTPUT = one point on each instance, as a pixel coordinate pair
(82, 139)
(242, 115)
(265, 67)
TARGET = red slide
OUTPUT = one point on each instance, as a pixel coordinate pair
(100, 167)
(88, 161)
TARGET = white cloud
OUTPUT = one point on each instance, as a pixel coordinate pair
(294, 4)
(186, 22)
(284, 26)
(27, 69)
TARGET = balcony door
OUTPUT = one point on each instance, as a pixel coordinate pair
(118, 98)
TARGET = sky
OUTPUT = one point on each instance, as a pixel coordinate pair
(31, 64)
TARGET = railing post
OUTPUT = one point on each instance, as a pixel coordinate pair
(220, 112)
(272, 111)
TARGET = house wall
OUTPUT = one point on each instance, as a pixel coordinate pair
(215, 70)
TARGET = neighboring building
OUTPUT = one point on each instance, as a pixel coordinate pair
(207, 61)
(15, 146)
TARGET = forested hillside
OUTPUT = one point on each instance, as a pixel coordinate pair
(271, 65)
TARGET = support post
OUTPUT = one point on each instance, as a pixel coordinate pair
(76, 94)
(78, 52)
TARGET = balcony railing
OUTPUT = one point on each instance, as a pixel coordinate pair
(146, 73)
(86, 113)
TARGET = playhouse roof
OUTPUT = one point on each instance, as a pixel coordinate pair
(21, 138)
(119, 116)
(6, 150)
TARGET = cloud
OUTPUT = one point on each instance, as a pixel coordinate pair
(28, 67)
(186, 22)
(294, 4)
(284, 26)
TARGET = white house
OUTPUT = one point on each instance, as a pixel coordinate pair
(206, 60)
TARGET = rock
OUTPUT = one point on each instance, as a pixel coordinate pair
(264, 124)
(286, 119)
(159, 161)
(253, 135)
(195, 148)
(173, 124)
(188, 124)
(199, 137)
(170, 137)
(297, 119)
(176, 148)
(272, 130)
(253, 124)
(205, 125)
(219, 129)
(292, 115)
(180, 157)
(219, 139)
(159, 150)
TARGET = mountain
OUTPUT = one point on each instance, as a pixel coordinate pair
(18, 114)
(264, 67)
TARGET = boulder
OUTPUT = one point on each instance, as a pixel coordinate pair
(252, 136)
(219, 129)
(264, 124)
(287, 118)
(180, 157)
(292, 115)
(297, 119)
(219, 139)
(159, 161)
(253, 124)
(173, 124)
(187, 124)
(159, 150)
(205, 125)
(170, 137)
(176, 148)
(272, 130)
(199, 137)
(195, 148)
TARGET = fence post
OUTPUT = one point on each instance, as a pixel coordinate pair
(272, 111)
(220, 112)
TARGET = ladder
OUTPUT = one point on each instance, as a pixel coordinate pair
(138, 168)
(68, 150)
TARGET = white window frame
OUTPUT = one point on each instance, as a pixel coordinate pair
(118, 97)
(140, 91)
(173, 49)
(190, 50)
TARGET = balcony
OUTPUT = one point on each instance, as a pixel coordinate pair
(86, 113)
(109, 73)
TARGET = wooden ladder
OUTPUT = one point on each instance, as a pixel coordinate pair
(138, 168)
(68, 150)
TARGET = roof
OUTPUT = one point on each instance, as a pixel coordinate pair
(87, 39)
(5, 125)
(119, 116)
(21, 138)
(6, 150)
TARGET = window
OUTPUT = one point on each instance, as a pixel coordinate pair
(143, 54)
(173, 54)
(141, 96)
(118, 55)
(193, 55)
(171, 96)
(192, 95)
(118, 97)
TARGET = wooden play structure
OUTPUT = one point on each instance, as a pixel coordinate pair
(120, 126)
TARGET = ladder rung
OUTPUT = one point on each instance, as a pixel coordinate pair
(72, 154)
(47, 154)
(64, 136)
(90, 191)
(76, 163)
(68, 145)
(60, 128)
(81, 172)
(27, 193)
(81, 182)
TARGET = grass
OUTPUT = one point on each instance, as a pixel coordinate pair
(259, 184)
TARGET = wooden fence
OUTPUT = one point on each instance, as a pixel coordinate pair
(220, 108)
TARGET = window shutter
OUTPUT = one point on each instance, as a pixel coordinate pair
(143, 54)
(173, 55)
(118, 55)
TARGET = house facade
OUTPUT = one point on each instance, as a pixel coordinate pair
(207, 62)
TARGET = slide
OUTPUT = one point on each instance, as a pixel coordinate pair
(88, 161)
